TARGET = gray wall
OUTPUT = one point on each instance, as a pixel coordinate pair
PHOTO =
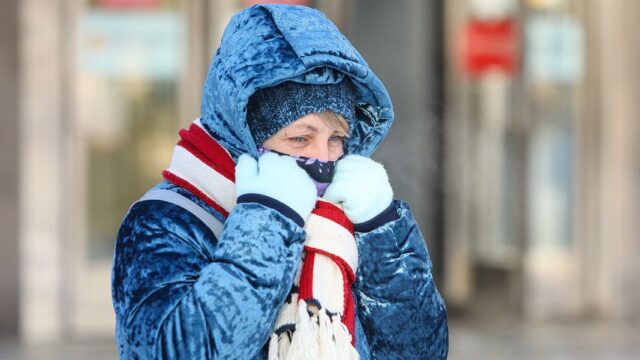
(401, 41)
(9, 115)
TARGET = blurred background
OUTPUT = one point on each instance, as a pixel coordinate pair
(516, 143)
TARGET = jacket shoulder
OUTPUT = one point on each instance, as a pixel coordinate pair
(169, 222)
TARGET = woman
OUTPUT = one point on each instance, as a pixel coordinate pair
(273, 234)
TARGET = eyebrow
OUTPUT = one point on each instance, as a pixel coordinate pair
(312, 129)
(307, 126)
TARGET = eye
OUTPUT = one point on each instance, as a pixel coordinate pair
(298, 139)
(336, 138)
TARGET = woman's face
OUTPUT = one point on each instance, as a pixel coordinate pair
(309, 136)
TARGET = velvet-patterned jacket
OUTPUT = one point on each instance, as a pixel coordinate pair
(181, 293)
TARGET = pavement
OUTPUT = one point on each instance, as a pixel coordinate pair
(469, 339)
(584, 340)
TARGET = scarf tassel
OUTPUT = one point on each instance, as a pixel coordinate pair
(317, 336)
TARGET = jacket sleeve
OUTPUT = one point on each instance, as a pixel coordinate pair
(401, 311)
(181, 294)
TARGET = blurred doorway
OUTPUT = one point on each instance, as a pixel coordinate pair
(129, 63)
(516, 78)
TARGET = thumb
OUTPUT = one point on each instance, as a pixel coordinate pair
(247, 167)
(333, 193)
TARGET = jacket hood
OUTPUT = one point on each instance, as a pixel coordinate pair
(265, 45)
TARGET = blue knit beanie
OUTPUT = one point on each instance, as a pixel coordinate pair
(273, 108)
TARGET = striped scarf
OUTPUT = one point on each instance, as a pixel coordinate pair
(317, 318)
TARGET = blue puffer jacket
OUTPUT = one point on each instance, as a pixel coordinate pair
(181, 293)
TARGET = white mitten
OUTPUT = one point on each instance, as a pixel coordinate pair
(362, 187)
(277, 177)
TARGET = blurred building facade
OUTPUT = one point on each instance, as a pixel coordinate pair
(515, 144)
(542, 158)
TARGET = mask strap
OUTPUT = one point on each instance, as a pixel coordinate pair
(298, 157)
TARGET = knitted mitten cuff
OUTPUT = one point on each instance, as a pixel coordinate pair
(388, 215)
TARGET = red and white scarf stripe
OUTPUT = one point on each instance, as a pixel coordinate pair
(317, 320)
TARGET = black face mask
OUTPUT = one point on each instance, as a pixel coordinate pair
(320, 171)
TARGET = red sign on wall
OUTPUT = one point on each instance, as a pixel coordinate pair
(248, 3)
(490, 45)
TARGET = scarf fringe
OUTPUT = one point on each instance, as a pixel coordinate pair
(316, 337)
(279, 345)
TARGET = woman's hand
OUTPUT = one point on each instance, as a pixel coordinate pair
(362, 187)
(279, 178)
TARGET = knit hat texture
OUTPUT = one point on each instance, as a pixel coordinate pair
(273, 108)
